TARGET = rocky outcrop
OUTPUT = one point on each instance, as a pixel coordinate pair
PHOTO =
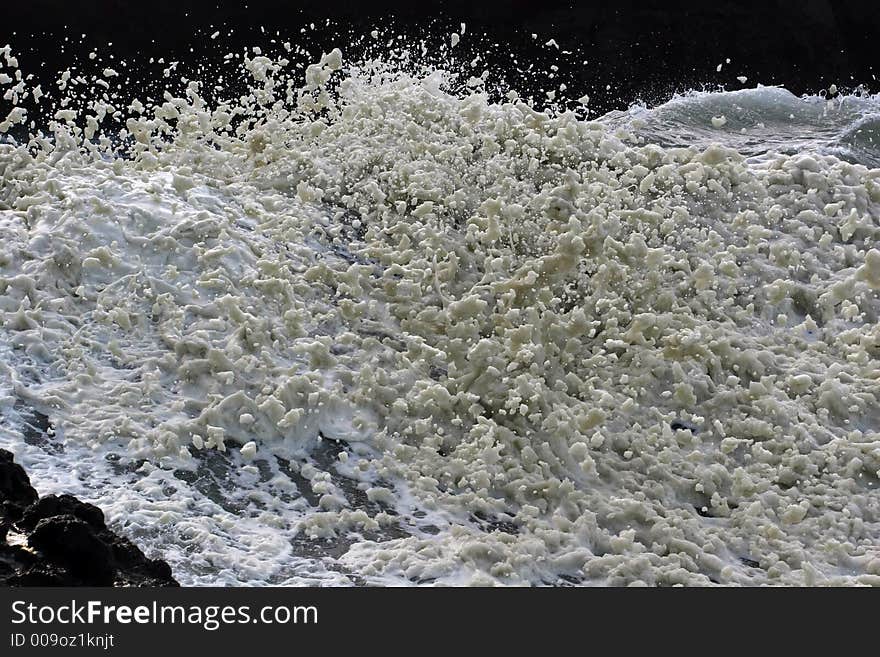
(58, 540)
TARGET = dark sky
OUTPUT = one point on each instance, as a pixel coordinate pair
(642, 49)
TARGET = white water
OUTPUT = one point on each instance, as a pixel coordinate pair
(763, 119)
(384, 332)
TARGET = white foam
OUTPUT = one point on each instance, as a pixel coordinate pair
(553, 349)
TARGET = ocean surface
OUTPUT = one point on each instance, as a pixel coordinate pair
(367, 322)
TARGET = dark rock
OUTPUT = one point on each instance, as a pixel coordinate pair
(16, 492)
(40, 576)
(59, 505)
(68, 542)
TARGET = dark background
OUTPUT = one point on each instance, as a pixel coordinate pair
(644, 50)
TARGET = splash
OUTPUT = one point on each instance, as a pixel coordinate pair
(380, 321)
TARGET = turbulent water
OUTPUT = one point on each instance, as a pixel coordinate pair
(379, 324)
(761, 120)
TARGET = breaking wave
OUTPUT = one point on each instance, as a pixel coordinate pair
(365, 321)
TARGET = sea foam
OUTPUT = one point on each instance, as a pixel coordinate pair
(373, 322)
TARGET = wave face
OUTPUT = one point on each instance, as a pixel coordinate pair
(365, 324)
(763, 120)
